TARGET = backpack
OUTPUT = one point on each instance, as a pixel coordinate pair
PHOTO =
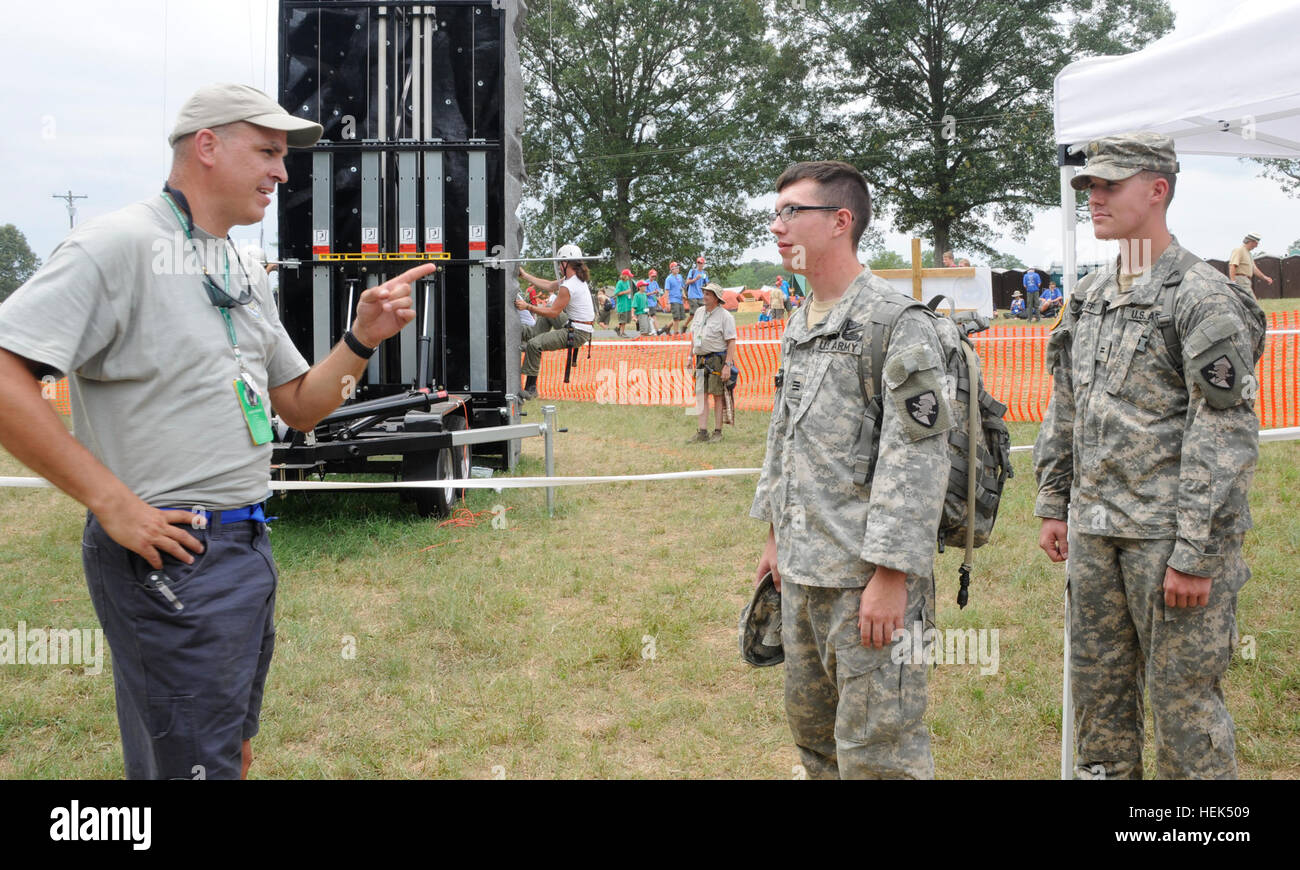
(977, 480)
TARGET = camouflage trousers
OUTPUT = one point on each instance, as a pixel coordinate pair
(1124, 639)
(854, 712)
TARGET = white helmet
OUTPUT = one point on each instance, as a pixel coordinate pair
(567, 252)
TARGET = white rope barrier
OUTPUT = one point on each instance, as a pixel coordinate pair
(497, 484)
(494, 483)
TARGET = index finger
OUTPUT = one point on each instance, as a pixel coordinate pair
(410, 276)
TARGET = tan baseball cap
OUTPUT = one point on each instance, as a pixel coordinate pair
(224, 103)
(1115, 158)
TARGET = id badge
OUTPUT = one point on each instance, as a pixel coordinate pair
(259, 424)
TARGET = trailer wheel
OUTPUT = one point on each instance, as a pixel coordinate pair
(451, 463)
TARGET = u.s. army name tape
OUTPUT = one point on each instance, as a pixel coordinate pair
(1290, 433)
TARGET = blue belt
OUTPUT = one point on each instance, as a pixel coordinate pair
(253, 512)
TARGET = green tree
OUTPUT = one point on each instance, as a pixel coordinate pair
(1005, 261)
(662, 119)
(951, 101)
(755, 273)
(17, 261)
(1285, 172)
(888, 260)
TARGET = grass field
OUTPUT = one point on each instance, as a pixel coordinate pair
(602, 642)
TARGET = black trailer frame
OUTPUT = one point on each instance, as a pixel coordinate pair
(419, 161)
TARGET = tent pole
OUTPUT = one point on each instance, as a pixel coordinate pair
(1070, 269)
(1068, 280)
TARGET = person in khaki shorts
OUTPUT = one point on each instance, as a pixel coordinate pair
(1241, 265)
(713, 345)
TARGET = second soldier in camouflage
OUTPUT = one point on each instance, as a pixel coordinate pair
(853, 562)
(1148, 446)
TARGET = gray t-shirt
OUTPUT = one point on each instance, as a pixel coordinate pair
(121, 307)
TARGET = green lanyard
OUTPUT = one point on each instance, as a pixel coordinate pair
(225, 313)
(250, 403)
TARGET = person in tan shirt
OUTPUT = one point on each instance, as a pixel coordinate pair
(1241, 265)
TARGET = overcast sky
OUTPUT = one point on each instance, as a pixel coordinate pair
(93, 88)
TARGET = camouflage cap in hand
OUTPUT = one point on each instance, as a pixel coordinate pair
(760, 626)
(1115, 158)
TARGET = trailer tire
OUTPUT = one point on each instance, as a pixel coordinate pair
(450, 463)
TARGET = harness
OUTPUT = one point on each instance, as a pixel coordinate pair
(571, 352)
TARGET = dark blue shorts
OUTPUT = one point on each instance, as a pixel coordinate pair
(188, 682)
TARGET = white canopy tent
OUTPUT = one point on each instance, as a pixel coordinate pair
(1233, 90)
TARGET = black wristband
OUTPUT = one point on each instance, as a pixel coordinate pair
(354, 344)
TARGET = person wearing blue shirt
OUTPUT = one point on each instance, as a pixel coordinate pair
(1033, 283)
(674, 284)
(652, 291)
(1018, 305)
(1052, 299)
(695, 282)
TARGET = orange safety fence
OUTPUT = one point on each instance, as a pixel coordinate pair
(57, 395)
(656, 370)
(652, 370)
(659, 370)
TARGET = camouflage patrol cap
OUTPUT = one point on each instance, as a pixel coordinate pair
(760, 626)
(1115, 158)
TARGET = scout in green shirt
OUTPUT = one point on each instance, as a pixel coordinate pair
(623, 299)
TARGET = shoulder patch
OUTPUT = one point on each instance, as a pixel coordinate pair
(924, 408)
(1224, 379)
(1220, 373)
(920, 404)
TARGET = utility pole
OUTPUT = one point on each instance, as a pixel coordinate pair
(72, 209)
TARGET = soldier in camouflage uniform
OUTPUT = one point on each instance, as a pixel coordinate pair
(1149, 443)
(853, 563)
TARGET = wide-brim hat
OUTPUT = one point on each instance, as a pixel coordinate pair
(715, 290)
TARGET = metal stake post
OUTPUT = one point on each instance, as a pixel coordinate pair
(548, 434)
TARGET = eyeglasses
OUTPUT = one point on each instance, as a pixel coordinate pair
(787, 214)
(219, 297)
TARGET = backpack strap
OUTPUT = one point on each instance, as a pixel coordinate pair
(883, 319)
(1168, 300)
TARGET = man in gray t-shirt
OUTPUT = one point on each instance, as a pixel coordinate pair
(174, 349)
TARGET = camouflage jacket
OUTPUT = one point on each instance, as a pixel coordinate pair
(1130, 446)
(830, 531)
